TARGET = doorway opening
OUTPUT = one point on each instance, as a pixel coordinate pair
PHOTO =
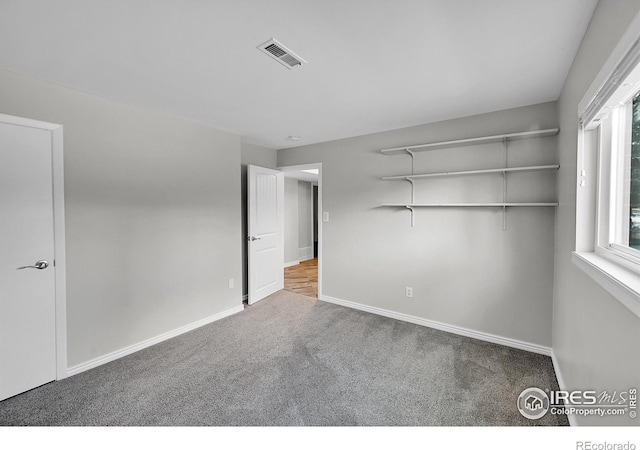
(302, 229)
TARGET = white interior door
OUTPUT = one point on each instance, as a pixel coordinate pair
(265, 213)
(27, 296)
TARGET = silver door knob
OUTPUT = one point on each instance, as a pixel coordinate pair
(252, 238)
(42, 264)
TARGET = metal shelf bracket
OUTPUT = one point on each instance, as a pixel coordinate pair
(413, 189)
(412, 154)
(410, 208)
(504, 185)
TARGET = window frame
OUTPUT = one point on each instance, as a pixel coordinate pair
(614, 146)
(599, 191)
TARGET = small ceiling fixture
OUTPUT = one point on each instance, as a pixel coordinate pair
(280, 53)
(293, 138)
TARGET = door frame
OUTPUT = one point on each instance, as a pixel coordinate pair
(318, 166)
(59, 265)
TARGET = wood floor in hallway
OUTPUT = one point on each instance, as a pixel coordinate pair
(302, 278)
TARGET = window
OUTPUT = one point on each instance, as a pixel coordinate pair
(608, 191)
(634, 175)
(617, 124)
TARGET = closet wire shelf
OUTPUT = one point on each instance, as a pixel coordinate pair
(504, 138)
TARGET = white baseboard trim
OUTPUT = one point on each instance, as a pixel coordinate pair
(527, 346)
(149, 342)
(573, 421)
(291, 263)
(305, 253)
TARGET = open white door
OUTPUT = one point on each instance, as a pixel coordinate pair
(28, 302)
(265, 215)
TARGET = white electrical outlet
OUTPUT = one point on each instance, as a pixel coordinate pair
(325, 216)
(408, 292)
(232, 283)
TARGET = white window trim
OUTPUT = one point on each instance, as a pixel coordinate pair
(615, 268)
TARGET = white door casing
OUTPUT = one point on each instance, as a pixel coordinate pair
(32, 303)
(265, 214)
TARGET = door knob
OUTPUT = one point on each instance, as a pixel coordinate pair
(252, 238)
(42, 264)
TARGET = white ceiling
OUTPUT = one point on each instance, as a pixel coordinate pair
(373, 65)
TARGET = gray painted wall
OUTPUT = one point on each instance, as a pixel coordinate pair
(152, 215)
(595, 338)
(297, 218)
(305, 204)
(315, 206)
(291, 218)
(464, 270)
(257, 156)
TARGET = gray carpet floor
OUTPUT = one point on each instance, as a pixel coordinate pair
(293, 360)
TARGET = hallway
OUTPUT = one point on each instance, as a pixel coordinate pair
(302, 278)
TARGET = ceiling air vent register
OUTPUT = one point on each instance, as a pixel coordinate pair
(280, 53)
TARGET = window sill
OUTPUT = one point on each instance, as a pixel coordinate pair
(620, 282)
